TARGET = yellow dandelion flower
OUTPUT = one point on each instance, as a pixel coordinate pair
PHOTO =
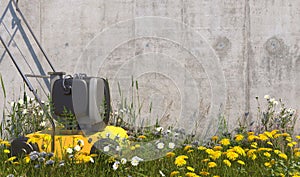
(218, 148)
(290, 144)
(253, 157)
(215, 155)
(267, 154)
(277, 136)
(216, 176)
(132, 148)
(180, 160)
(239, 137)
(204, 173)
(189, 151)
(170, 154)
(268, 164)
(298, 137)
(214, 138)
(232, 155)
(285, 134)
(187, 147)
(6, 151)
(191, 174)
(276, 151)
(11, 159)
(283, 155)
(241, 162)
(111, 159)
(225, 142)
(254, 145)
(209, 151)
(269, 134)
(205, 160)
(142, 137)
(252, 138)
(272, 161)
(202, 148)
(251, 151)
(282, 175)
(263, 137)
(265, 149)
(190, 168)
(239, 150)
(26, 159)
(174, 173)
(137, 146)
(274, 132)
(297, 154)
(6, 143)
(211, 164)
(269, 143)
(250, 133)
(227, 162)
(289, 139)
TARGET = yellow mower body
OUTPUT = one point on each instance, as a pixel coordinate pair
(65, 139)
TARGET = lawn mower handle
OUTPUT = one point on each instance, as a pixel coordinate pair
(30, 87)
(31, 32)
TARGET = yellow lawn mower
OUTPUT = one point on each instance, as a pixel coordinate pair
(86, 98)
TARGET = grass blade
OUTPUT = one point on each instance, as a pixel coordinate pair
(2, 85)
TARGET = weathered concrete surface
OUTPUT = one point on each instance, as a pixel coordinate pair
(194, 59)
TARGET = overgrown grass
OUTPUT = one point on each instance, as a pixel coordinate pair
(265, 147)
(267, 154)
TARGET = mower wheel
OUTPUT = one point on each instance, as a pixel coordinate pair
(20, 147)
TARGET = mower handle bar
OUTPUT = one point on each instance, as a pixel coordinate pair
(24, 77)
(31, 32)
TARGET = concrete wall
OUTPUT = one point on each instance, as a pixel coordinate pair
(193, 59)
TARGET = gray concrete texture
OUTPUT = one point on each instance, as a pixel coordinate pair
(193, 59)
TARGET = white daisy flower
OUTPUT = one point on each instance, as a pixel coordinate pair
(123, 161)
(106, 148)
(69, 150)
(159, 129)
(24, 111)
(118, 148)
(43, 124)
(267, 97)
(135, 160)
(77, 148)
(21, 102)
(116, 165)
(171, 145)
(12, 104)
(160, 145)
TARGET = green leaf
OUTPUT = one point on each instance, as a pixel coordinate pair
(2, 85)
